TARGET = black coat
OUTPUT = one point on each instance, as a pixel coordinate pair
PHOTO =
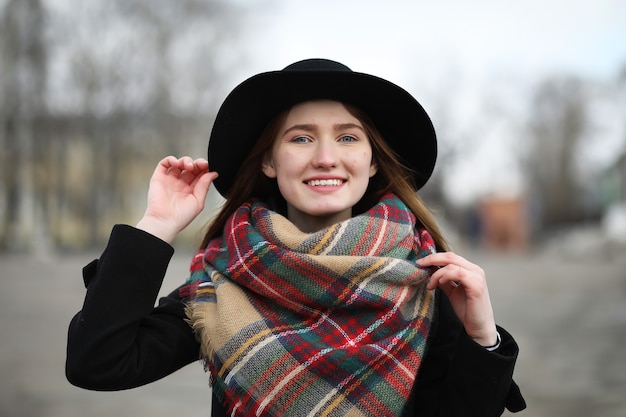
(119, 340)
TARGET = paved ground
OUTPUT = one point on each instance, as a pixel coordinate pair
(566, 307)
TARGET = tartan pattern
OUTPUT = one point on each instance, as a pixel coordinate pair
(332, 323)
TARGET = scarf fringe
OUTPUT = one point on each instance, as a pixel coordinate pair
(197, 316)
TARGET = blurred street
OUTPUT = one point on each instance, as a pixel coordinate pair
(566, 306)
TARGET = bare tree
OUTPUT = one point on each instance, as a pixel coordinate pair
(558, 121)
(22, 95)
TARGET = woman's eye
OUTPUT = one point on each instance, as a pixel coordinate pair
(348, 138)
(300, 139)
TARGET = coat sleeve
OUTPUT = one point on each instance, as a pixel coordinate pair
(119, 339)
(460, 378)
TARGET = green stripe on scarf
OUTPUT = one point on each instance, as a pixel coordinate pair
(331, 323)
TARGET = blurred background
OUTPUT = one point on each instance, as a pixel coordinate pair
(528, 99)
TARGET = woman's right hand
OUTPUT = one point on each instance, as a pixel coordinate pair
(177, 194)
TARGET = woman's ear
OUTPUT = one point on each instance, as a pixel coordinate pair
(373, 168)
(268, 166)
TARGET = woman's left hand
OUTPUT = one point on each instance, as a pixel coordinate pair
(465, 285)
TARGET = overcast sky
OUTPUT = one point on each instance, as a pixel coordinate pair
(401, 38)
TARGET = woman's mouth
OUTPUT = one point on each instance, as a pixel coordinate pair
(325, 183)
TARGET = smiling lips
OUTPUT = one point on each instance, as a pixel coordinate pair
(325, 183)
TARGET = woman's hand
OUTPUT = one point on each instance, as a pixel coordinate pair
(177, 194)
(465, 285)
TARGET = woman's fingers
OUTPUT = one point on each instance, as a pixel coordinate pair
(202, 183)
(449, 274)
(442, 259)
(184, 168)
(452, 269)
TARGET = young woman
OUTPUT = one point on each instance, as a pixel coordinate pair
(322, 287)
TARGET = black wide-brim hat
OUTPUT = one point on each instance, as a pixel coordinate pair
(401, 120)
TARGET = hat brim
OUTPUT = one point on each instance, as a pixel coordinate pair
(246, 111)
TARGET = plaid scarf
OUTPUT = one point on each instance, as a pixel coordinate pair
(332, 323)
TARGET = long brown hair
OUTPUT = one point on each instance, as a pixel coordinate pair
(392, 176)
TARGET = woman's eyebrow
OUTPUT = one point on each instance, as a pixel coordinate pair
(343, 126)
(305, 127)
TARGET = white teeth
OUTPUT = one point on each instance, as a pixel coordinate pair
(317, 183)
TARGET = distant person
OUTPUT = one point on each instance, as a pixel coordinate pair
(323, 287)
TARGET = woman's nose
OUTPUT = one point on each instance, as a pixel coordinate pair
(325, 155)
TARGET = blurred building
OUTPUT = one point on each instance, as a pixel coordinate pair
(504, 223)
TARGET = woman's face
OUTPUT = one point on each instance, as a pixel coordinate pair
(322, 161)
